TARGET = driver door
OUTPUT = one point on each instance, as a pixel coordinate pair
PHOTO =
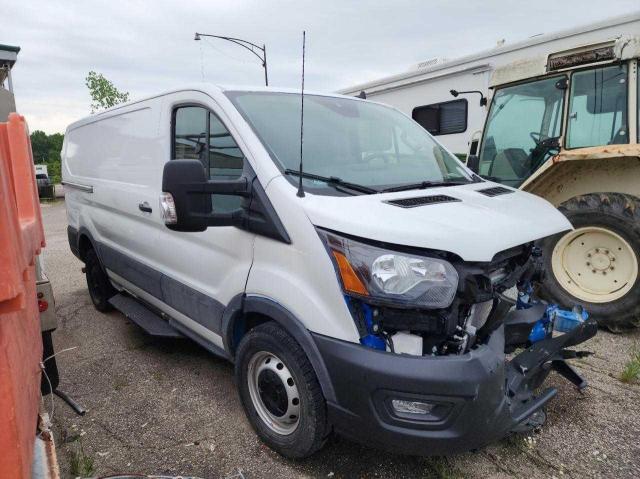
(204, 271)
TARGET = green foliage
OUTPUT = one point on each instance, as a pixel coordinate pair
(40, 146)
(103, 93)
(631, 371)
(46, 150)
(81, 464)
(439, 467)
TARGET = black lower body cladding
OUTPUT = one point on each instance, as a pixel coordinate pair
(472, 404)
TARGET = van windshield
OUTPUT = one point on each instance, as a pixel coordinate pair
(357, 141)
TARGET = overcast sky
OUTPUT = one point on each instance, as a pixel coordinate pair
(146, 47)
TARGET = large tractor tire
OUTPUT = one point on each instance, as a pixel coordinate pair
(596, 264)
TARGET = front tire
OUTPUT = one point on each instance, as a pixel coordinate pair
(596, 265)
(280, 392)
(100, 288)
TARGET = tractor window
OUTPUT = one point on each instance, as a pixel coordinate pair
(522, 128)
(598, 107)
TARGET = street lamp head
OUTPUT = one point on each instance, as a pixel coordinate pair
(197, 37)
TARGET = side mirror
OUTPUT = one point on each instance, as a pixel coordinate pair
(473, 163)
(186, 202)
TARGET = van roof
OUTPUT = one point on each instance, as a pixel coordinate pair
(207, 88)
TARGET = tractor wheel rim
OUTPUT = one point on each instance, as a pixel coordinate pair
(595, 264)
(274, 393)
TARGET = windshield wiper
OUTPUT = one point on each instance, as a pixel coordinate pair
(425, 184)
(333, 181)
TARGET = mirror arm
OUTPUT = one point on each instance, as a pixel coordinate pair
(239, 187)
(232, 218)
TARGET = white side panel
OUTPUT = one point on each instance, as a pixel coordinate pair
(120, 156)
(300, 276)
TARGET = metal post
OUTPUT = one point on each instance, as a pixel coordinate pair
(244, 44)
(9, 79)
(264, 64)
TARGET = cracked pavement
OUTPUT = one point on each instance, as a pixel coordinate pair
(168, 407)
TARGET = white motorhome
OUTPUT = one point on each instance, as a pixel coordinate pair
(357, 291)
(424, 92)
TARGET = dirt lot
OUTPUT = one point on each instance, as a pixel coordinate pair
(168, 407)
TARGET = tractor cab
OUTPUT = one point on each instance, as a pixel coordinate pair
(584, 98)
(565, 127)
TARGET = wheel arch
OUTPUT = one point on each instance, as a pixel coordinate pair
(80, 242)
(245, 312)
(560, 181)
(85, 243)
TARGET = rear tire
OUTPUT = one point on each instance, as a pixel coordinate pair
(280, 392)
(596, 265)
(100, 288)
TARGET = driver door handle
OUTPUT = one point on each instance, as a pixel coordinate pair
(145, 207)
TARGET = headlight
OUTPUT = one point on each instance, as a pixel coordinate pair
(391, 277)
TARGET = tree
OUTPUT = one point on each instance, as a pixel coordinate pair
(103, 93)
(40, 146)
(46, 150)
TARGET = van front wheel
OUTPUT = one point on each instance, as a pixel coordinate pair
(280, 393)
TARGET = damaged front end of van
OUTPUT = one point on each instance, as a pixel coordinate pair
(454, 383)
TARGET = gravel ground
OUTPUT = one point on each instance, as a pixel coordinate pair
(168, 407)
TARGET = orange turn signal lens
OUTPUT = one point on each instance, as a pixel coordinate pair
(350, 279)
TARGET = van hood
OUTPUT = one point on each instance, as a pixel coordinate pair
(471, 224)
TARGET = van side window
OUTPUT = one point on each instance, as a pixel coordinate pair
(225, 158)
(200, 135)
(190, 134)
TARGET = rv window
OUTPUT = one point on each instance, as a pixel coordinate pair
(201, 135)
(442, 118)
(598, 107)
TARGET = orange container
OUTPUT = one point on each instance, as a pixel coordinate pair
(21, 238)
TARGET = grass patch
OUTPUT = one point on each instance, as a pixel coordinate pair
(631, 371)
(120, 384)
(441, 468)
(81, 464)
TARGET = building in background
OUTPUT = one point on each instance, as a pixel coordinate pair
(8, 57)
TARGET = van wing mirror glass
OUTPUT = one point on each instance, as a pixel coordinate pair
(473, 163)
(187, 183)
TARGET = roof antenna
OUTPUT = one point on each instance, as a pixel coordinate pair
(300, 189)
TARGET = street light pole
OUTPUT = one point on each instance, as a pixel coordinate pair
(244, 44)
(264, 64)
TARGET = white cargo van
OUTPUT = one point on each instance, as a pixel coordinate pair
(362, 297)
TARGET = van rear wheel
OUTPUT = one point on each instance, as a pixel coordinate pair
(597, 263)
(100, 288)
(280, 392)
